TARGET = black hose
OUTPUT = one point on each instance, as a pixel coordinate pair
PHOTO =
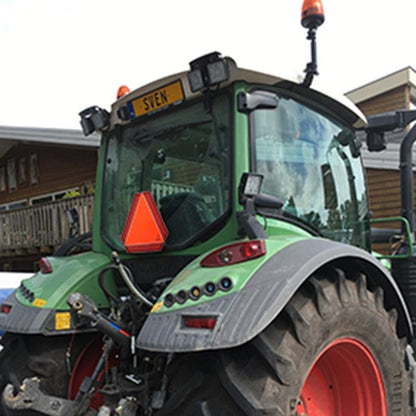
(110, 297)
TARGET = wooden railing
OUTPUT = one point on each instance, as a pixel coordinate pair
(160, 189)
(43, 225)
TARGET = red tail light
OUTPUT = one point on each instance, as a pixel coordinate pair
(235, 253)
(200, 322)
(45, 266)
(5, 308)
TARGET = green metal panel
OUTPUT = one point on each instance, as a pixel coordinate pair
(97, 240)
(70, 274)
(281, 236)
(241, 142)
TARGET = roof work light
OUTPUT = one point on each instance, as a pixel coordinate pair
(208, 71)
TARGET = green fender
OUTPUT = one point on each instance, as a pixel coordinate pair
(39, 305)
(244, 314)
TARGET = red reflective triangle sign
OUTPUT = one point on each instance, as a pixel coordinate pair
(144, 230)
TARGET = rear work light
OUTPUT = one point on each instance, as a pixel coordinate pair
(235, 253)
(200, 322)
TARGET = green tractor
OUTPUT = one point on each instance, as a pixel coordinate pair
(231, 270)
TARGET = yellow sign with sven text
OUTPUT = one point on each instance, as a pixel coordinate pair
(62, 321)
(156, 100)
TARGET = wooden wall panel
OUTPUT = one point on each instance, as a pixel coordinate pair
(390, 101)
(60, 168)
(384, 192)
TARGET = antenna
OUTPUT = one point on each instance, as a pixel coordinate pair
(312, 17)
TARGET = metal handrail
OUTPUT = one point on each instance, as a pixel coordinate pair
(407, 234)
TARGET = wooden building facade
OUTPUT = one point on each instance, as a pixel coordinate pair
(393, 92)
(44, 174)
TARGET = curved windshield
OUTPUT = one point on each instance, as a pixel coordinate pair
(311, 162)
(183, 158)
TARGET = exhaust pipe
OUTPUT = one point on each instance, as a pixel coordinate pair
(406, 178)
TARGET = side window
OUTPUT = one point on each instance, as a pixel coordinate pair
(289, 154)
(306, 161)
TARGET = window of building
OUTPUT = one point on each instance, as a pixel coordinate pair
(13, 205)
(55, 196)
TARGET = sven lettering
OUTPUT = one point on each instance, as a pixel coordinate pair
(155, 100)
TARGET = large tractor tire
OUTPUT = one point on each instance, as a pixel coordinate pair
(26, 356)
(333, 351)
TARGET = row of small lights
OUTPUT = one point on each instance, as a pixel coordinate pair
(209, 289)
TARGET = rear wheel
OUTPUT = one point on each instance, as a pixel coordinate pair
(333, 351)
(344, 379)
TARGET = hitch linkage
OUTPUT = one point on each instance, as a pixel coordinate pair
(30, 397)
(85, 307)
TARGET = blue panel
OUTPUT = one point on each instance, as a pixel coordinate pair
(4, 293)
(131, 110)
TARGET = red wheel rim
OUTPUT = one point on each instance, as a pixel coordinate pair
(84, 367)
(344, 380)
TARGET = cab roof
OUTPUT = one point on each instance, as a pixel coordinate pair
(340, 105)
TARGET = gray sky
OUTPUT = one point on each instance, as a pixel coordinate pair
(60, 56)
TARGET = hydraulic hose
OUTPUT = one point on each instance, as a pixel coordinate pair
(124, 273)
(110, 297)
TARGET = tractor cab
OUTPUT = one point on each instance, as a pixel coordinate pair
(188, 139)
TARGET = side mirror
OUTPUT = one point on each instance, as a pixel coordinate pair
(250, 101)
